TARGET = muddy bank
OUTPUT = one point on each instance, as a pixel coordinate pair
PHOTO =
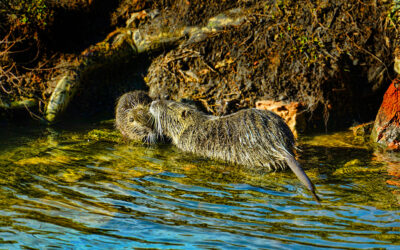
(335, 58)
(39, 40)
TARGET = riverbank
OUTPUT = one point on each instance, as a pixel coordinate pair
(335, 59)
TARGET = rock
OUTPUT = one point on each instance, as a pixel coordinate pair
(24, 103)
(362, 132)
(14, 110)
(60, 98)
(356, 170)
(386, 130)
(292, 113)
(357, 167)
(363, 129)
(108, 135)
(353, 163)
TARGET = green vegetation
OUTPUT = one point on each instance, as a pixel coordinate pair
(34, 14)
(21, 22)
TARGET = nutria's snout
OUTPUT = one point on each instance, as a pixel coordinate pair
(153, 105)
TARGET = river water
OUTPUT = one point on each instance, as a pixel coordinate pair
(70, 188)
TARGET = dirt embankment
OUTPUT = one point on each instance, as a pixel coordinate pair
(336, 57)
(41, 38)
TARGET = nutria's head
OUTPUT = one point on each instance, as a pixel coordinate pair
(133, 118)
(139, 125)
(172, 118)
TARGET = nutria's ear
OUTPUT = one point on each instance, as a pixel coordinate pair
(186, 113)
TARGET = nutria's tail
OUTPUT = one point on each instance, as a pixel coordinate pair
(296, 168)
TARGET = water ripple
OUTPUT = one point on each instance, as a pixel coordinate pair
(66, 192)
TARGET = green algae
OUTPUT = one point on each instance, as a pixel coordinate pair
(356, 166)
(110, 135)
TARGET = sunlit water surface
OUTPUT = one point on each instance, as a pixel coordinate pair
(70, 189)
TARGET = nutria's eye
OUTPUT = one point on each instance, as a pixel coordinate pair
(131, 119)
(140, 112)
(184, 113)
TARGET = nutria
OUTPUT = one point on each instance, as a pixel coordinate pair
(257, 139)
(132, 117)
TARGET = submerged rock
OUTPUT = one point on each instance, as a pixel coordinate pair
(362, 132)
(108, 135)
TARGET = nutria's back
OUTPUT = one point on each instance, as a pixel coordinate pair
(255, 138)
(251, 137)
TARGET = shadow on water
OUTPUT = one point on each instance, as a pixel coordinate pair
(68, 188)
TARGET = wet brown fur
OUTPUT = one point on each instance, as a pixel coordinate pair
(132, 117)
(257, 139)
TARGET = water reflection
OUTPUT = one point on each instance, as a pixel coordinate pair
(63, 188)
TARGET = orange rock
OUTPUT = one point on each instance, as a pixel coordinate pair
(386, 128)
(292, 113)
(394, 145)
